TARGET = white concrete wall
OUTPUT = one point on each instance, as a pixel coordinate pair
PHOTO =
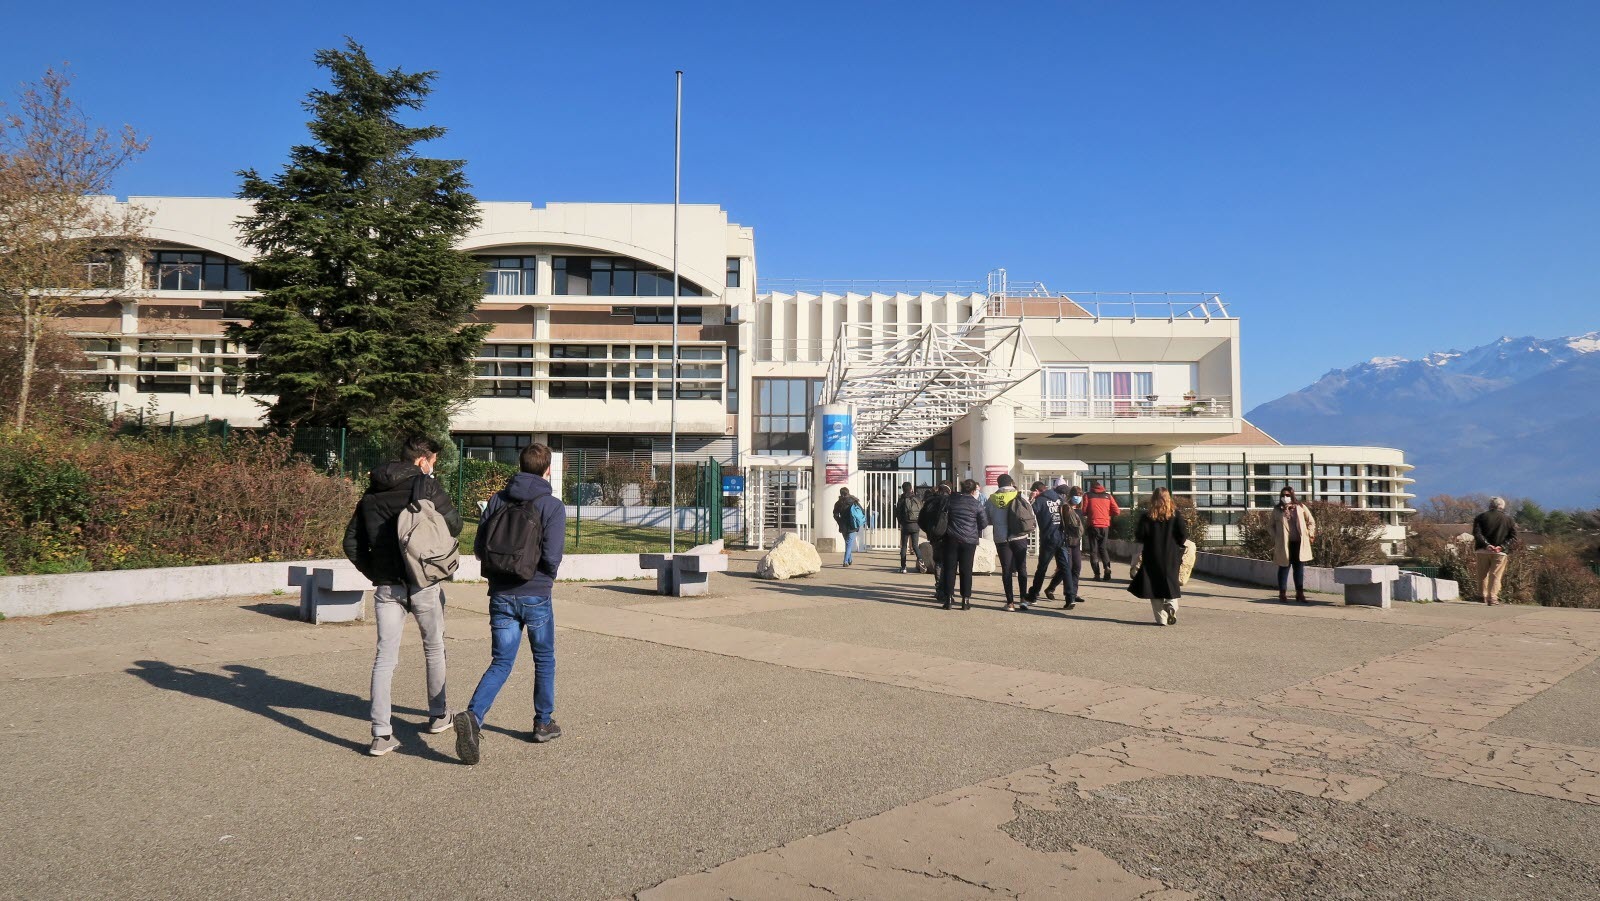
(41, 595)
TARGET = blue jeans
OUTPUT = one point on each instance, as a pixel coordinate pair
(849, 546)
(508, 616)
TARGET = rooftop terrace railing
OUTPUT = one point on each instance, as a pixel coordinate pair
(866, 286)
(1097, 305)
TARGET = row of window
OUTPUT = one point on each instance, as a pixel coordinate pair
(591, 276)
(168, 366)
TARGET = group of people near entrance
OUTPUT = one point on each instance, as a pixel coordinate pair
(1070, 525)
(941, 526)
(403, 538)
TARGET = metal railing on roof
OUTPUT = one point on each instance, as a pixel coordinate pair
(866, 286)
(1097, 305)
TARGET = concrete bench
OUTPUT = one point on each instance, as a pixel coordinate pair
(685, 575)
(1412, 586)
(330, 595)
(1367, 585)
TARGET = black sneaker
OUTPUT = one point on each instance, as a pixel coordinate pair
(1050, 594)
(543, 732)
(468, 737)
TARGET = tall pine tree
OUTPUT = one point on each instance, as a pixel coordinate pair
(363, 316)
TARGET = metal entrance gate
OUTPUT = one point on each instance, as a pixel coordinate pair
(780, 501)
(879, 491)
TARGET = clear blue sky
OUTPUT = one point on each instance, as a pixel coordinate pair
(1358, 178)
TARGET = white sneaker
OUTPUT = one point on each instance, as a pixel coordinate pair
(382, 744)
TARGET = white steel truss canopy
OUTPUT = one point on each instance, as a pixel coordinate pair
(906, 388)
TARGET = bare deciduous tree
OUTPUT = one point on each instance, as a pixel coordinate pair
(61, 236)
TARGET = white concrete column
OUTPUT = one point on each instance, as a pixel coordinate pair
(544, 278)
(128, 358)
(833, 460)
(994, 444)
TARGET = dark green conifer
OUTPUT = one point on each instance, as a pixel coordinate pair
(364, 315)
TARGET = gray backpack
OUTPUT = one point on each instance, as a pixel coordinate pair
(431, 554)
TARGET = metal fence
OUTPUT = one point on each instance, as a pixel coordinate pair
(347, 454)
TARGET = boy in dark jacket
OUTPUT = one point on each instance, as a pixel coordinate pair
(516, 605)
(906, 511)
(372, 543)
(1047, 509)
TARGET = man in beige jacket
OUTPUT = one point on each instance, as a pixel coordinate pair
(1293, 528)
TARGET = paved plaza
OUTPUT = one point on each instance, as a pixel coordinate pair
(834, 737)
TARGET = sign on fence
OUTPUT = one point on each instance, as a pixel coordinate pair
(733, 484)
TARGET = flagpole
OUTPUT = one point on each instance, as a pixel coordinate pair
(677, 182)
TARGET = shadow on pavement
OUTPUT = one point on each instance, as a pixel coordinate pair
(257, 691)
(918, 592)
(277, 611)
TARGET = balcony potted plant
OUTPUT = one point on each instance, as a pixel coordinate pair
(1189, 396)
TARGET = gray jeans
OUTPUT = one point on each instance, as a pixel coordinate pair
(392, 603)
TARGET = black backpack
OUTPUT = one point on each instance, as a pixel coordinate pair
(512, 538)
(935, 517)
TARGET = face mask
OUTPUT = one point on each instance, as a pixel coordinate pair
(1075, 500)
(1287, 500)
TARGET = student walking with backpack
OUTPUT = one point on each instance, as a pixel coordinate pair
(520, 542)
(1048, 510)
(1013, 519)
(1073, 529)
(847, 512)
(935, 523)
(402, 537)
(906, 510)
(966, 520)
(1098, 508)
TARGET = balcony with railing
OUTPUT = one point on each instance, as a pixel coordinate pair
(1121, 407)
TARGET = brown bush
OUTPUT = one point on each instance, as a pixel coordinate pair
(91, 501)
(1344, 536)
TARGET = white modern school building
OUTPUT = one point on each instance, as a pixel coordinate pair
(945, 380)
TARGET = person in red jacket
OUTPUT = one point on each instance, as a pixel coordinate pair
(1098, 508)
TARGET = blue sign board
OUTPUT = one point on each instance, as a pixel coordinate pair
(838, 432)
(733, 484)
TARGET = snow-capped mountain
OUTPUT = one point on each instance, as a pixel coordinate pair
(1518, 416)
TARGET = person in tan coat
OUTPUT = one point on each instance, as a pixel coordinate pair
(1293, 527)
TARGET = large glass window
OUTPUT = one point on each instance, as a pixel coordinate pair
(663, 315)
(510, 275)
(501, 448)
(183, 270)
(160, 362)
(505, 370)
(615, 277)
(1123, 393)
(782, 415)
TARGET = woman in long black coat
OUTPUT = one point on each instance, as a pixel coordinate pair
(1162, 535)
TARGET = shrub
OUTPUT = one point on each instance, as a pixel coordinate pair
(480, 479)
(1344, 536)
(614, 477)
(92, 501)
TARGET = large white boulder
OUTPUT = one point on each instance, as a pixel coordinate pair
(789, 558)
(986, 559)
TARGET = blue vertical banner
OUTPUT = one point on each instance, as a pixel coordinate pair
(838, 432)
(838, 439)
